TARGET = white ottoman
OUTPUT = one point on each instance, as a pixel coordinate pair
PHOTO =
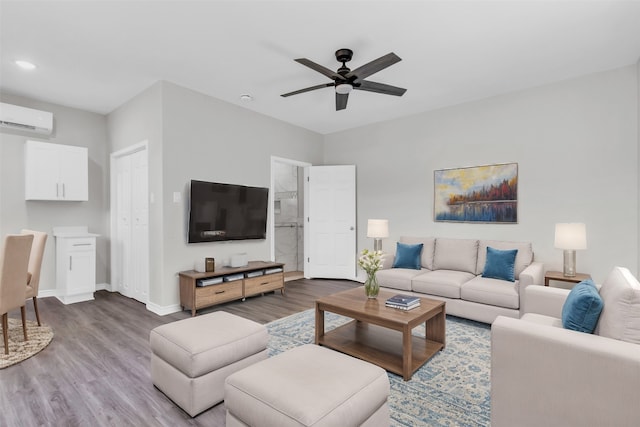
(308, 386)
(191, 358)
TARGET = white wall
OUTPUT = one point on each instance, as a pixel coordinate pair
(140, 119)
(212, 140)
(71, 127)
(576, 145)
(194, 136)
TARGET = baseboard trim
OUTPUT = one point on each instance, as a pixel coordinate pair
(163, 310)
(47, 293)
(160, 310)
(103, 287)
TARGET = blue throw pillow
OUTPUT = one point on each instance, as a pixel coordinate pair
(582, 308)
(407, 256)
(500, 264)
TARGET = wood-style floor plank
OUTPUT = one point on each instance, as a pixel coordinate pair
(95, 372)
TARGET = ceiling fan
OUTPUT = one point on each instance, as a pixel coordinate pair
(345, 80)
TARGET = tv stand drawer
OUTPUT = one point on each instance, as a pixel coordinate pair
(215, 294)
(266, 283)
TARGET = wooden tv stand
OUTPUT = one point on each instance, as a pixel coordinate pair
(195, 297)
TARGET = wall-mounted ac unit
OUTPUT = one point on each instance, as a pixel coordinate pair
(26, 119)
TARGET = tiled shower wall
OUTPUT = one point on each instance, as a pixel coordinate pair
(288, 208)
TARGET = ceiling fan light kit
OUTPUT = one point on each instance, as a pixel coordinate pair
(345, 80)
(344, 88)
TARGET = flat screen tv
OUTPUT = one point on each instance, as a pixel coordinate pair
(226, 212)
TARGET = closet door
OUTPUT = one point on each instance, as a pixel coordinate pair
(131, 205)
(123, 232)
(140, 227)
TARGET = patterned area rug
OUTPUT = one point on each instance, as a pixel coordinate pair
(451, 389)
(19, 349)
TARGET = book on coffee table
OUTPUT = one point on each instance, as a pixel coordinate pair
(403, 307)
(403, 300)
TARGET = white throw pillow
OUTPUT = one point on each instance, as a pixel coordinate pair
(456, 254)
(620, 317)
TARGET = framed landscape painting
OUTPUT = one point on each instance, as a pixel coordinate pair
(477, 194)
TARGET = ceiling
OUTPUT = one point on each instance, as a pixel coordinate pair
(96, 55)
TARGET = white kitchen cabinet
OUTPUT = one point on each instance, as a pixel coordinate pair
(75, 264)
(56, 172)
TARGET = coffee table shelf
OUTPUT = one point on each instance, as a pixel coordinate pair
(380, 346)
(382, 335)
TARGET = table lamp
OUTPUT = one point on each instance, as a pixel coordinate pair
(378, 229)
(570, 237)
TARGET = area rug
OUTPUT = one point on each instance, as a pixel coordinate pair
(451, 389)
(19, 349)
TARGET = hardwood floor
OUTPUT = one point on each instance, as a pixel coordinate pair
(95, 372)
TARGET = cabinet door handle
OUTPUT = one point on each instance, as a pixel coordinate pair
(70, 262)
(219, 292)
(82, 244)
(63, 190)
(57, 190)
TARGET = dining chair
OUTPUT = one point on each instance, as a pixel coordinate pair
(14, 262)
(35, 265)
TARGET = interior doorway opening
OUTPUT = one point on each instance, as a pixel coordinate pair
(287, 216)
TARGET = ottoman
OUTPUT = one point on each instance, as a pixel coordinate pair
(308, 386)
(191, 358)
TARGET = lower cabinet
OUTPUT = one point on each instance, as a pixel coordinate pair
(75, 266)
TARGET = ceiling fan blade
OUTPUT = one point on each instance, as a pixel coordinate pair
(295, 92)
(380, 88)
(374, 66)
(319, 68)
(341, 101)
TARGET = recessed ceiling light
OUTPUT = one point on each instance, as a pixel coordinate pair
(246, 97)
(26, 65)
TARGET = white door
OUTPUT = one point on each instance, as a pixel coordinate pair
(130, 220)
(140, 226)
(331, 221)
(42, 173)
(122, 236)
(74, 173)
(82, 272)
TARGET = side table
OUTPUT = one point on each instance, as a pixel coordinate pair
(560, 277)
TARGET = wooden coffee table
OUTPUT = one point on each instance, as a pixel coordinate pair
(382, 335)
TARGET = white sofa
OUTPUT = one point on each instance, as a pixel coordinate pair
(545, 375)
(451, 271)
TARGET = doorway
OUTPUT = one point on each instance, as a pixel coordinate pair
(130, 222)
(287, 208)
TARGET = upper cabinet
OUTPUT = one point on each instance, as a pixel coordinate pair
(56, 172)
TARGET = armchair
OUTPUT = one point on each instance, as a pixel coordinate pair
(543, 374)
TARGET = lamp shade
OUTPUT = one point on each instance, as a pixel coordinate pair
(378, 228)
(572, 236)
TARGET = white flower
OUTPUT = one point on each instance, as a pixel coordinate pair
(370, 261)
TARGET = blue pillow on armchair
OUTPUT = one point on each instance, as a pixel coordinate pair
(407, 256)
(500, 264)
(582, 308)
